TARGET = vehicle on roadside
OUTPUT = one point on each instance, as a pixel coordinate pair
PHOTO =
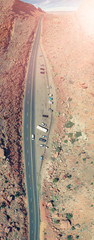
(33, 136)
(50, 102)
(46, 146)
(41, 128)
(45, 116)
(41, 157)
(50, 110)
(50, 98)
(50, 95)
(44, 124)
(42, 145)
(42, 139)
(44, 136)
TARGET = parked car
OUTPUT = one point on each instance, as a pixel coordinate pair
(50, 102)
(45, 116)
(44, 136)
(42, 145)
(50, 98)
(50, 110)
(44, 124)
(41, 157)
(33, 136)
(42, 139)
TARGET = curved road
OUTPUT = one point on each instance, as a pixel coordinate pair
(29, 145)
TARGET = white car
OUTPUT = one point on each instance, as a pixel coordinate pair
(33, 136)
(44, 124)
(44, 136)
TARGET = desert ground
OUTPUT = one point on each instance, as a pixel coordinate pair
(67, 191)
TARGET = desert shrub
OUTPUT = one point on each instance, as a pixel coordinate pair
(69, 237)
(69, 186)
(73, 140)
(70, 135)
(17, 194)
(53, 209)
(56, 221)
(55, 180)
(69, 216)
(58, 114)
(58, 149)
(69, 99)
(3, 205)
(78, 134)
(77, 236)
(73, 228)
(69, 124)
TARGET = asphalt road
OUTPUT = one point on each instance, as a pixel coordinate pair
(29, 145)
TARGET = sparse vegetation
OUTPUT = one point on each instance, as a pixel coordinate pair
(77, 236)
(55, 180)
(56, 221)
(70, 135)
(69, 237)
(53, 209)
(78, 134)
(69, 216)
(69, 124)
(3, 205)
(65, 141)
(69, 186)
(69, 99)
(73, 228)
(58, 149)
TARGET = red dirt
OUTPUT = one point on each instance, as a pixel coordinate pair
(69, 46)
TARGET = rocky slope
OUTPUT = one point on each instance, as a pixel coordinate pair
(18, 26)
(67, 191)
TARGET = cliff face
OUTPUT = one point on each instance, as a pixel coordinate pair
(18, 26)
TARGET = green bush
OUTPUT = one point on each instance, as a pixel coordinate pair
(65, 141)
(58, 149)
(17, 194)
(69, 237)
(78, 134)
(56, 221)
(69, 124)
(69, 216)
(53, 209)
(69, 186)
(77, 236)
(73, 228)
(70, 135)
(3, 205)
(55, 180)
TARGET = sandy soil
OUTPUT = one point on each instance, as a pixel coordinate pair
(67, 190)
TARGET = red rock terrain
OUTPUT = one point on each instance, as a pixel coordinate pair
(18, 26)
(67, 193)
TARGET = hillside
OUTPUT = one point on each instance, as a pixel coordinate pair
(18, 23)
(67, 191)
